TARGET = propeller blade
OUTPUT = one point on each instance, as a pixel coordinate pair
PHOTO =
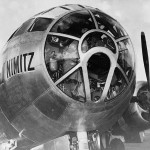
(145, 58)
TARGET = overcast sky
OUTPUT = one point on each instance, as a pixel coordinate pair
(134, 16)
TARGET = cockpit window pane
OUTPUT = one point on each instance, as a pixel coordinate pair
(23, 28)
(61, 55)
(73, 86)
(75, 24)
(108, 24)
(126, 57)
(98, 68)
(40, 24)
(118, 84)
(95, 39)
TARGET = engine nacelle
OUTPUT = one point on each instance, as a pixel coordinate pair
(137, 115)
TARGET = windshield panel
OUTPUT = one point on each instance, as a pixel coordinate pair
(40, 24)
(108, 24)
(73, 86)
(75, 24)
(96, 39)
(126, 57)
(61, 55)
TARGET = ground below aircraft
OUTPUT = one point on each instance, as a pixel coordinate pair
(70, 72)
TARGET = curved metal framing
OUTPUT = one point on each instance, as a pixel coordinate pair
(84, 57)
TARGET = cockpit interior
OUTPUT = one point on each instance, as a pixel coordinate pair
(70, 41)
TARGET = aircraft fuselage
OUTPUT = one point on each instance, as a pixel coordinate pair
(31, 102)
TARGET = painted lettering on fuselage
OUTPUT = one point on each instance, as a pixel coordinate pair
(19, 64)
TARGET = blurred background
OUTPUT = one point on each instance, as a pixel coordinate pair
(133, 15)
